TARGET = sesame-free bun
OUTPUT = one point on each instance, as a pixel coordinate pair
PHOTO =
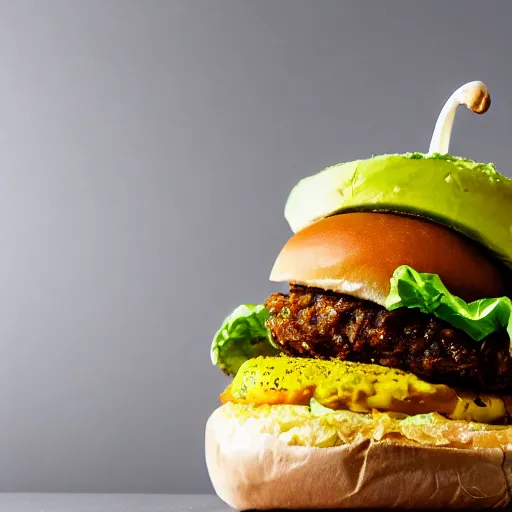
(250, 469)
(357, 253)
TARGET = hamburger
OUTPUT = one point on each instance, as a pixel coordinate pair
(382, 378)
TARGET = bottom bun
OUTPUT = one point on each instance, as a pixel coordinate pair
(255, 468)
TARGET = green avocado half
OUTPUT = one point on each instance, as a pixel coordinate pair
(471, 198)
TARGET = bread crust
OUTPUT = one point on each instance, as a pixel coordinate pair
(357, 253)
(262, 472)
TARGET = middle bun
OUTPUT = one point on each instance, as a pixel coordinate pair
(357, 253)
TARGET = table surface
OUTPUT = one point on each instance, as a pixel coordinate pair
(35, 502)
(111, 503)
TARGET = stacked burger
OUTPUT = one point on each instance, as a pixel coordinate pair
(381, 378)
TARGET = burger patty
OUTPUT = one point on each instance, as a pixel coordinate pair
(315, 323)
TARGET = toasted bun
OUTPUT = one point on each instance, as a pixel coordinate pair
(254, 470)
(357, 253)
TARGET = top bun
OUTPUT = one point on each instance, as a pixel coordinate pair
(357, 253)
(472, 198)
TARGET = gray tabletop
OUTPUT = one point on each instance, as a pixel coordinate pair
(111, 503)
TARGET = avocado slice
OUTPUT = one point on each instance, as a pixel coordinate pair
(469, 197)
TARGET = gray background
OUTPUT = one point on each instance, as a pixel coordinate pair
(146, 152)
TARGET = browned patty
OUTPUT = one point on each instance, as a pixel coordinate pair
(311, 322)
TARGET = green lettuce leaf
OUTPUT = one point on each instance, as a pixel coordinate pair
(427, 292)
(242, 336)
(317, 409)
(422, 419)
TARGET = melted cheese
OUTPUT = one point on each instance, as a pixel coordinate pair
(355, 387)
